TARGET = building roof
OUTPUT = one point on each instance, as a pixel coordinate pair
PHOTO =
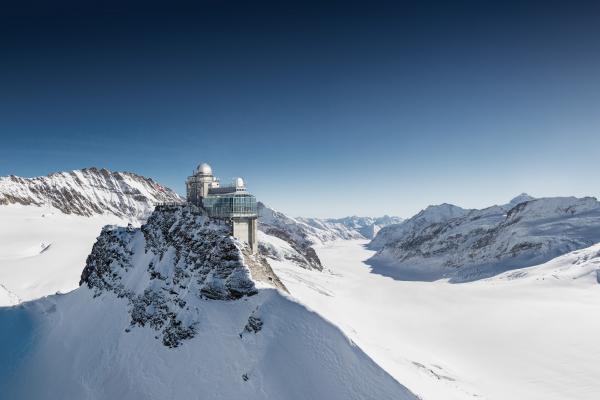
(204, 169)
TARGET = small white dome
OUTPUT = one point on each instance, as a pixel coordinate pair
(204, 169)
(239, 182)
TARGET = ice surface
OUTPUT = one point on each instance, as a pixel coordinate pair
(527, 334)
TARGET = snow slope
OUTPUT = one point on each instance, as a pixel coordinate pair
(173, 310)
(43, 251)
(463, 245)
(7, 297)
(580, 267)
(49, 224)
(529, 333)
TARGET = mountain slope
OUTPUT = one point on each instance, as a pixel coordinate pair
(49, 224)
(579, 268)
(284, 237)
(87, 192)
(465, 245)
(173, 310)
(42, 250)
(431, 215)
(293, 238)
(352, 227)
(7, 297)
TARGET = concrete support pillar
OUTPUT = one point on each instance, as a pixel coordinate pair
(245, 229)
(252, 234)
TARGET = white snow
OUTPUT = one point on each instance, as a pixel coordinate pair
(85, 344)
(43, 251)
(529, 333)
(464, 245)
(8, 298)
(534, 337)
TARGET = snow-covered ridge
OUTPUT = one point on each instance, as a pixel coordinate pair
(299, 237)
(430, 215)
(579, 267)
(353, 227)
(87, 192)
(175, 309)
(450, 242)
(301, 234)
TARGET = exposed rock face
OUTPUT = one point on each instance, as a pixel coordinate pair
(297, 234)
(260, 269)
(178, 257)
(303, 255)
(88, 192)
(449, 242)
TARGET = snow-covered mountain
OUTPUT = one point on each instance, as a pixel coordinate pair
(447, 241)
(352, 227)
(49, 224)
(293, 239)
(431, 215)
(87, 192)
(179, 309)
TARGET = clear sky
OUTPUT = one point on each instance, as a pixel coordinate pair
(325, 109)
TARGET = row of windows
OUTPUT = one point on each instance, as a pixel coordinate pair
(230, 206)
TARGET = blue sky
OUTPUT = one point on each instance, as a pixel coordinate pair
(326, 110)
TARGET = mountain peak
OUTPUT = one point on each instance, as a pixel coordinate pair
(523, 197)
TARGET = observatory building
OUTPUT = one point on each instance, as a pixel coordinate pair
(231, 203)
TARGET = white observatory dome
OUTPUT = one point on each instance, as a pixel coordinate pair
(239, 183)
(204, 169)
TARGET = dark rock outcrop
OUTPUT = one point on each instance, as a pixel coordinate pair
(180, 256)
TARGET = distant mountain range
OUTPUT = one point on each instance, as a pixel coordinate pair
(301, 234)
(87, 192)
(351, 227)
(450, 242)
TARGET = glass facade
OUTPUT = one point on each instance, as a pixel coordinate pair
(230, 205)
